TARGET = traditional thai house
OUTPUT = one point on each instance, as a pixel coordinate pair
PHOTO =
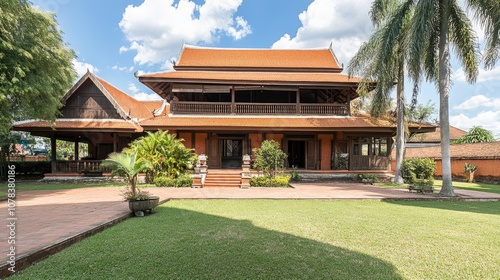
(225, 102)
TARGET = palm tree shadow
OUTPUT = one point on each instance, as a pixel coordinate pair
(481, 207)
(236, 249)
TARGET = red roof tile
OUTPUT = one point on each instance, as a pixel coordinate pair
(262, 78)
(435, 137)
(199, 57)
(477, 150)
(78, 124)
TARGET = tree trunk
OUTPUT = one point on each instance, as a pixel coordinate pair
(444, 88)
(400, 133)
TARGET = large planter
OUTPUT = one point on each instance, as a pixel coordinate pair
(469, 176)
(143, 206)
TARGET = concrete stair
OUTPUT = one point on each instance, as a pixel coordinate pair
(223, 178)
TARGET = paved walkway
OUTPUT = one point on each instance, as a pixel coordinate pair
(48, 221)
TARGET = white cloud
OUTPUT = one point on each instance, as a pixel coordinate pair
(133, 88)
(479, 101)
(82, 67)
(142, 96)
(123, 68)
(157, 28)
(483, 76)
(344, 23)
(489, 120)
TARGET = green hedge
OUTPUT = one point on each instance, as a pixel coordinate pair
(270, 182)
(32, 167)
(181, 182)
(418, 168)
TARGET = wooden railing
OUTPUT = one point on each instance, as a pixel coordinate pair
(266, 108)
(200, 108)
(324, 109)
(258, 108)
(76, 166)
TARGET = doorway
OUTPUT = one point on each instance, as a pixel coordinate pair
(296, 154)
(232, 152)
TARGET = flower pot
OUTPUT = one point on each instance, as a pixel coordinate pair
(147, 205)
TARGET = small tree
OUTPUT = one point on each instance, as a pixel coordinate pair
(125, 165)
(476, 134)
(269, 158)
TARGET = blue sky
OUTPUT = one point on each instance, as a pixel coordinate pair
(114, 39)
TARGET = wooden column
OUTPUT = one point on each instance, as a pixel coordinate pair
(53, 154)
(76, 148)
(233, 101)
(297, 101)
(348, 104)
(115, 142)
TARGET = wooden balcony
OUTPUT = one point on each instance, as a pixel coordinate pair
(76, 166)
(226, 108)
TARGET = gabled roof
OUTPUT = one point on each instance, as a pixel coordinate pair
(458, 151)
(125, 105)
(435, 137)
(200, 58)
(261, 78)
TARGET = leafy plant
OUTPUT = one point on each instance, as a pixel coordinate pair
(423, 182)
(180, 182)
(164, 153)
(270, 182)
(418, 168)
(469, 167)
(294, 174)
(126, 166)
(367, 176)
(269, 158)
(476, 134)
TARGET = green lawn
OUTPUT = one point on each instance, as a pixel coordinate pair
(483, 187)
(290, 239)
(3, 196)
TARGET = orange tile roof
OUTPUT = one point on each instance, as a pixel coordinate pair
(128, 104)
(435, 137)
(252, 77)
(78, 124)
(153, 105)
(200, 57)
(476, 151)
(268, 123)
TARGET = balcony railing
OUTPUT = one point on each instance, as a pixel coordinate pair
(213, 108)
(76, 166)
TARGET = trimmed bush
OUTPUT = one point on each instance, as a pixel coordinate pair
(418, 168)
(181, 182)
(270, 182)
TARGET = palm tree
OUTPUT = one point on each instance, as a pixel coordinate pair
(476, 134)
(433, 26)
(387, 71)
(125, 165)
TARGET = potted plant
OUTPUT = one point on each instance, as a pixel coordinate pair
(125, 165)
(469, 170)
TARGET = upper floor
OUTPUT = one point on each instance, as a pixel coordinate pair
(255, 82)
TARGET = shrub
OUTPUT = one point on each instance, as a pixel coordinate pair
(180, 182)
(371, 177)
(424, 182)
(294, 174)
(469, 167)
(270, 182)
(269, 158)
(418, 168)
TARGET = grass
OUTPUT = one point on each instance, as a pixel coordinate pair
(482, 187)
(3, 196)
(290, 239)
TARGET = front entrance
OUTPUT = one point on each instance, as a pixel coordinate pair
(232, 152)
(296, 154)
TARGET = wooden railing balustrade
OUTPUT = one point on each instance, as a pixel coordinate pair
(77, 166)
(241, 108)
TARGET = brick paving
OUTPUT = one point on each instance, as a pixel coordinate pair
(47, 221)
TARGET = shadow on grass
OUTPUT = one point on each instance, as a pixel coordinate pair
(482, 207)
(182, 244)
